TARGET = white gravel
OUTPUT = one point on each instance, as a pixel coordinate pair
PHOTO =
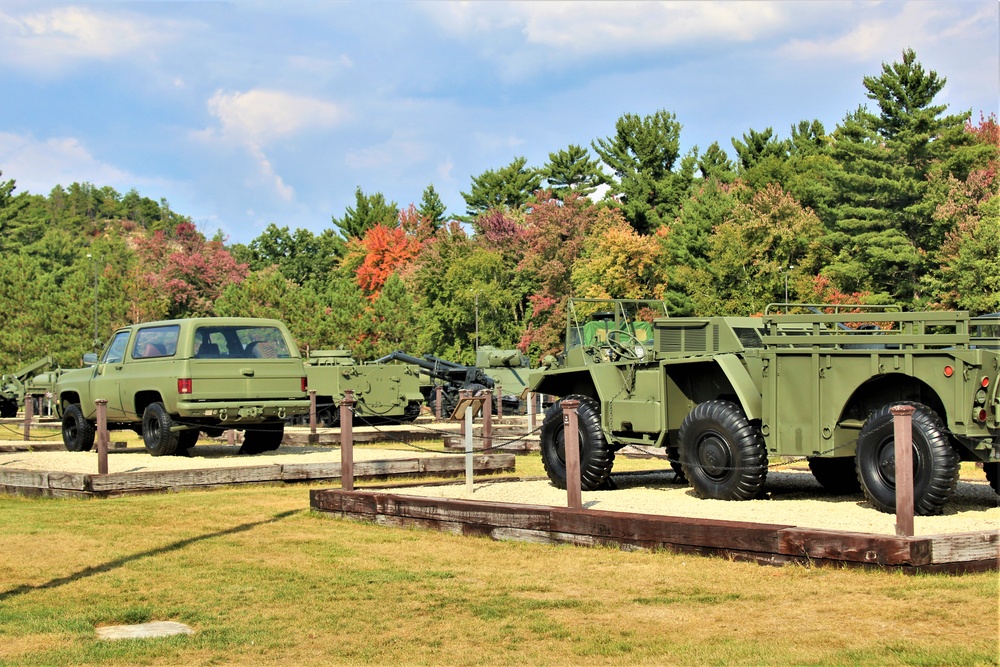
(796, 499)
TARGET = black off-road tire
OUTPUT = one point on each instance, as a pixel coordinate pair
(836, 475)
(156, 433)
(261, 438)
(935, 461)
(722, 452)
(78, 433)
(596, 458)
(992, 470)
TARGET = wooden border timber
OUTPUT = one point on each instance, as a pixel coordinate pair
(84, 485)
(773, 544)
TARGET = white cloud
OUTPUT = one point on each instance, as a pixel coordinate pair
(611, 27)
(259, 116)
(64, 36)
(878, 36)
(38, 166)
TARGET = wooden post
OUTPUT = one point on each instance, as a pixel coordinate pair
(29, 414)
(313, 437)
(438, 393)
(231, 436)
(902, 423)
(347, 441)
(530, 398)
(571, 441)
(102, 436)
(488, 422)
(499, 401)
(467, 430)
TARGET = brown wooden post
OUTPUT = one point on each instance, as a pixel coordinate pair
(438, 392)
(29, 414)
(313, 437)
(102, 436)
(231, 436)
(488, 422)
(571, 440)
(347, 441)
(902, 422)
(499, 401)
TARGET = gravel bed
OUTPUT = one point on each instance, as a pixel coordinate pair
(203, 456)
(795, 499)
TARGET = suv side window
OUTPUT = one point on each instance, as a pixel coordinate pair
(116, 350)
(156, 342)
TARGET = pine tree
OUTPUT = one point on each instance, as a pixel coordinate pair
(369, 210)
(432, 208)
(643, 155)
(508, 187)
(572, 170)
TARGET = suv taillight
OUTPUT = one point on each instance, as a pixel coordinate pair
(305, 384)
(184, 385)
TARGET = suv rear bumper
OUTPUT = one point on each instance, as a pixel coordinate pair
(242, 411)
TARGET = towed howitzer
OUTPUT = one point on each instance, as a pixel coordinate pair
(451, 376)
(15, 386)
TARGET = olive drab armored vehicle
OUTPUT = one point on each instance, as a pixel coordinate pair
(452, 377)
(383, 393)
(723, 394)
(509, 371)
(15, 386)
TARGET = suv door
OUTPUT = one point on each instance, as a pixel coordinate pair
(107, 376)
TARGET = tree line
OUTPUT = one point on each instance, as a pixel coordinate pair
(897, 204)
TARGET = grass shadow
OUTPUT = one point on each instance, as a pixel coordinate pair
(119, 562)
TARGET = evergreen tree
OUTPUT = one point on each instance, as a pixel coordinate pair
(509, 187)
(432, 208)
(758, 146)
(369, 210)
(714, 163)
(643, 155)
(572, 170)
(885, 227)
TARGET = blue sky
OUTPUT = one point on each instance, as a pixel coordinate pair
(247, 113)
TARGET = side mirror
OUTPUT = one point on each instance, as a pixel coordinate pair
(90, 359)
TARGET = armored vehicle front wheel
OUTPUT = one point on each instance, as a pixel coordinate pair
(261, 438)
(836, 475)
(77, 432)
(596, 458)
(722, 453)
(156, 433)
(935, 462)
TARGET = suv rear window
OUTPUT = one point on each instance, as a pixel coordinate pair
(239, 342)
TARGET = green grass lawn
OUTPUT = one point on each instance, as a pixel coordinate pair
(264, 580)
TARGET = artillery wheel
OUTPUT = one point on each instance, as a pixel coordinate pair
(8, 407)
(77, 432)
(992, 471)
(262, 438)
(835, 475)
(935, 462)
(596, 458)
(722, 453)
(156, 433)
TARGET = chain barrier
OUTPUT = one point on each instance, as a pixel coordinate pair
(57, 434)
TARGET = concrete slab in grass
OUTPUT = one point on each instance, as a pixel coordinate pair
(144, 630)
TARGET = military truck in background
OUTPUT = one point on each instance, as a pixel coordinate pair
(171, 380)
(723, 394)
(383, 393)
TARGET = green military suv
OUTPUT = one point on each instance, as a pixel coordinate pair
(171, 380)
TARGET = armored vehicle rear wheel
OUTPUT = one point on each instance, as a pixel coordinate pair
(836, 475)
(77, 432)
(596, 458)
(992, 474)
(722, 453)
(156, 433)
(263, 438)
(935, 462)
